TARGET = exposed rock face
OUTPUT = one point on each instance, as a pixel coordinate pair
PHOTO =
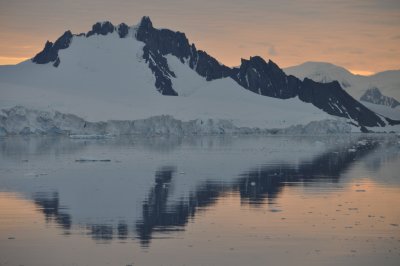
(375, 96)
(101, 28)
(123, 30)
(50, 51)
(331, 98)
(265, 78)
(160, 42)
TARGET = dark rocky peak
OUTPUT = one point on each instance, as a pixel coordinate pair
(374, 92)
(50, 51)
(161, 42)
(146, 23)
(46, 55)
(64, 41)
(123, 30)
(101, 28)
(265, 78)
(374, 95)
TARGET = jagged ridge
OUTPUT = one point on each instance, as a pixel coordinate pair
(255, 74)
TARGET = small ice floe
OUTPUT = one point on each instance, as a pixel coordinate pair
(90, 136)
(275, 210)
(351, 150)
(30, 174)
(84, 160)
(353, 209)
(362, 142)
(35, 174)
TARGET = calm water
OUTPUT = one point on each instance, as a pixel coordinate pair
(200, 201)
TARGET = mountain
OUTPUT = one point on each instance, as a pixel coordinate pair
(388, 84)
(375, 96)
(136, 72)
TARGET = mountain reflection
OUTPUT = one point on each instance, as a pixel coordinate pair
(49, 204)
(259, 185)
(254, 186)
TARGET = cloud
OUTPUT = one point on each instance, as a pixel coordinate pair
(272, 51)
(264, 43)
(344, 50)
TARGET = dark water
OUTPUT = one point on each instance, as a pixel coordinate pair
(200, 201)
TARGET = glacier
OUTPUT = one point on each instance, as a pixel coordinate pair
(20, 120)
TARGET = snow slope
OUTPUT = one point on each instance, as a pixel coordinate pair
(104, 77)
(387, 82)
(393, 113)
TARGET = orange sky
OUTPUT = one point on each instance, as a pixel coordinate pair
(361, 35)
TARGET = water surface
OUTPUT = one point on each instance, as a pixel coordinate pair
(224, 200)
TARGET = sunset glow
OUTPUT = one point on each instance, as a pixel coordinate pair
(361, 72)
(363, 36)
(12, 60)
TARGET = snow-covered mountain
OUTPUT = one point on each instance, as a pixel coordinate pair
(387, 82)
(375, 96)
(136, 72)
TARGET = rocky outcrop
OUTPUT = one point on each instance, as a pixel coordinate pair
(101, 28)
(265, 78)
(50, 51)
